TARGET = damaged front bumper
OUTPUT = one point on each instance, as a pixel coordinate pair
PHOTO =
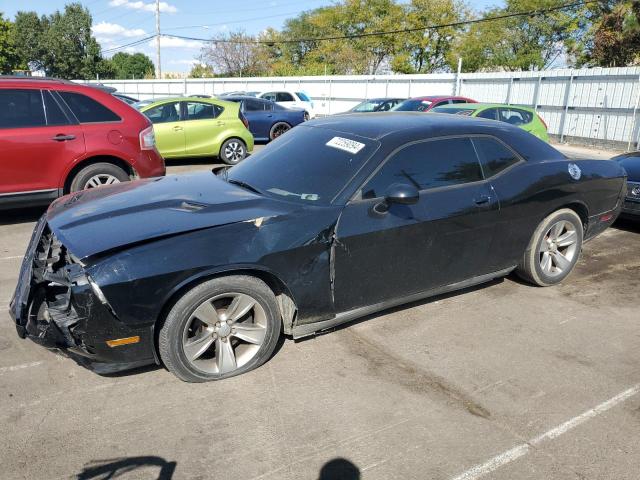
(57, 305)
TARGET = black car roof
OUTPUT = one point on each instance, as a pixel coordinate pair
(398, 128)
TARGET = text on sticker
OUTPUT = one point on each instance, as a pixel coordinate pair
(345, 144)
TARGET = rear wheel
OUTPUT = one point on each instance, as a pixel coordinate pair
(554, 249)
(98, 175)
(233, 151)
(278, 129)
(220, 328)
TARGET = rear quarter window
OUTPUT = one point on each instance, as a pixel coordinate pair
(88, 110)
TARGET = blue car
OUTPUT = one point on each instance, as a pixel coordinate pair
(267, 120)
(631, 163)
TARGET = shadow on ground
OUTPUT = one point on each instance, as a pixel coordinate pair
(118, 467)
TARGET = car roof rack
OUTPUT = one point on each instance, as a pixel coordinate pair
(36, 79)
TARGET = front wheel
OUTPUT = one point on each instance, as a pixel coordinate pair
(233, 151)
(220, 328)
(554, 249)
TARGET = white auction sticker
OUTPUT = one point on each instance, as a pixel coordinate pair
(345, 144)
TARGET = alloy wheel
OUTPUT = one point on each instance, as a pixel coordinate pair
(280, 129)
(224, 333)
(558, 248)
(100, 180)
(234, 151)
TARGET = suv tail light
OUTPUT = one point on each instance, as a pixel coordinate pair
(543, 122)
(147, 139)
(243, 119)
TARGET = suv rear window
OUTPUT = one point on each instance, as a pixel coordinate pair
(21, 108)
(87, 110)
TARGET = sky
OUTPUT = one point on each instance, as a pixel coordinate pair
(118, 22)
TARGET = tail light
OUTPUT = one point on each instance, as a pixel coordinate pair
(543, 122)
(243, 119)
(147, 139)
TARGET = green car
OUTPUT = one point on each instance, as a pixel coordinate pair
(199, 127)
(523, 117)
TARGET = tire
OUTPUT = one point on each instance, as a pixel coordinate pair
(306, 117)
(233, 151)
(197, 351)
(97, 175)
(554, 249)
(278, 129)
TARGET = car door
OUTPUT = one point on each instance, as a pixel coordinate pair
(260, 116)
(442, 239)
(37, 140)
(201, 127)
(169, 129)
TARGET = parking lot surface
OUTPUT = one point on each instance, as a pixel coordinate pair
(502, 381)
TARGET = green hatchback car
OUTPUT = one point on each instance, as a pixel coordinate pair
(523, 117)
(199, 127)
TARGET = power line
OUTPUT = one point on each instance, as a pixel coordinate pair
(131, 44)
(529, 13)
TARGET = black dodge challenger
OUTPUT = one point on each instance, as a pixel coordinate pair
(339, 218)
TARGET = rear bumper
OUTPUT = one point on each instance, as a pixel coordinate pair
(55, 305)
(631, 209)
(150, 164)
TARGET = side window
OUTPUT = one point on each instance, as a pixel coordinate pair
(515, 116)
(53, 112)
(167, 112)
(433, 164)
(490, 113)
(494, 156)
(202, 111)
(457, 100)
(21, 108)
(87, 110)
(270, 96)
(284, 97)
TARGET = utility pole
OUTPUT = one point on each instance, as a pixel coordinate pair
(158, 68)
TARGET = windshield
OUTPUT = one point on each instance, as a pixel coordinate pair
(414, 105)
(459, 111)
(307, 164)
(368, 106)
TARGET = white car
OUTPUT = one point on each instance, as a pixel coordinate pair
(289, 98)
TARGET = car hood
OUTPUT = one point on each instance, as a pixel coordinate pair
(632, 165)
(99, 220)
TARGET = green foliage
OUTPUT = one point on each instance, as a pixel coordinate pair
(517, 43)
(128, 66)
(201, 70)
(8, 51)
(611, 35)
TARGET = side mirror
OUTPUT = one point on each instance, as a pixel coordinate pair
(402, 194)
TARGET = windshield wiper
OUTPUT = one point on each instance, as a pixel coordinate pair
(245, 185)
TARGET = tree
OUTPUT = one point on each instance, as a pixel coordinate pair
(8, 53)
(611, 35)
(201, 70)
(28, 33)
(127, 65)
(234, 54)
(530, 42)
(427, 51)
(60, 43)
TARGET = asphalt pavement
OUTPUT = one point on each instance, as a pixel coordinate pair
(502, 381)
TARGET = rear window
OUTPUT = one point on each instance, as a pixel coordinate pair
(303, 96)
(515, 116)
(21, 108)
(87, 110)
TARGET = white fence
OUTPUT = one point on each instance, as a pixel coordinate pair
(589, 105)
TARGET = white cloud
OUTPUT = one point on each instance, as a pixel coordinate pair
(107, 30)
(172, 42)
(140, 5)
(193, 61)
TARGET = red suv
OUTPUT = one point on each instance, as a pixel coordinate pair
(58, 137)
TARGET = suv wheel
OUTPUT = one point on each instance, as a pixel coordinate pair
(98, 175)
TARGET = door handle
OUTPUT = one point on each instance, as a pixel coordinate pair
(177, 128)
(63, 138)
(482, 200)
(220, 124)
